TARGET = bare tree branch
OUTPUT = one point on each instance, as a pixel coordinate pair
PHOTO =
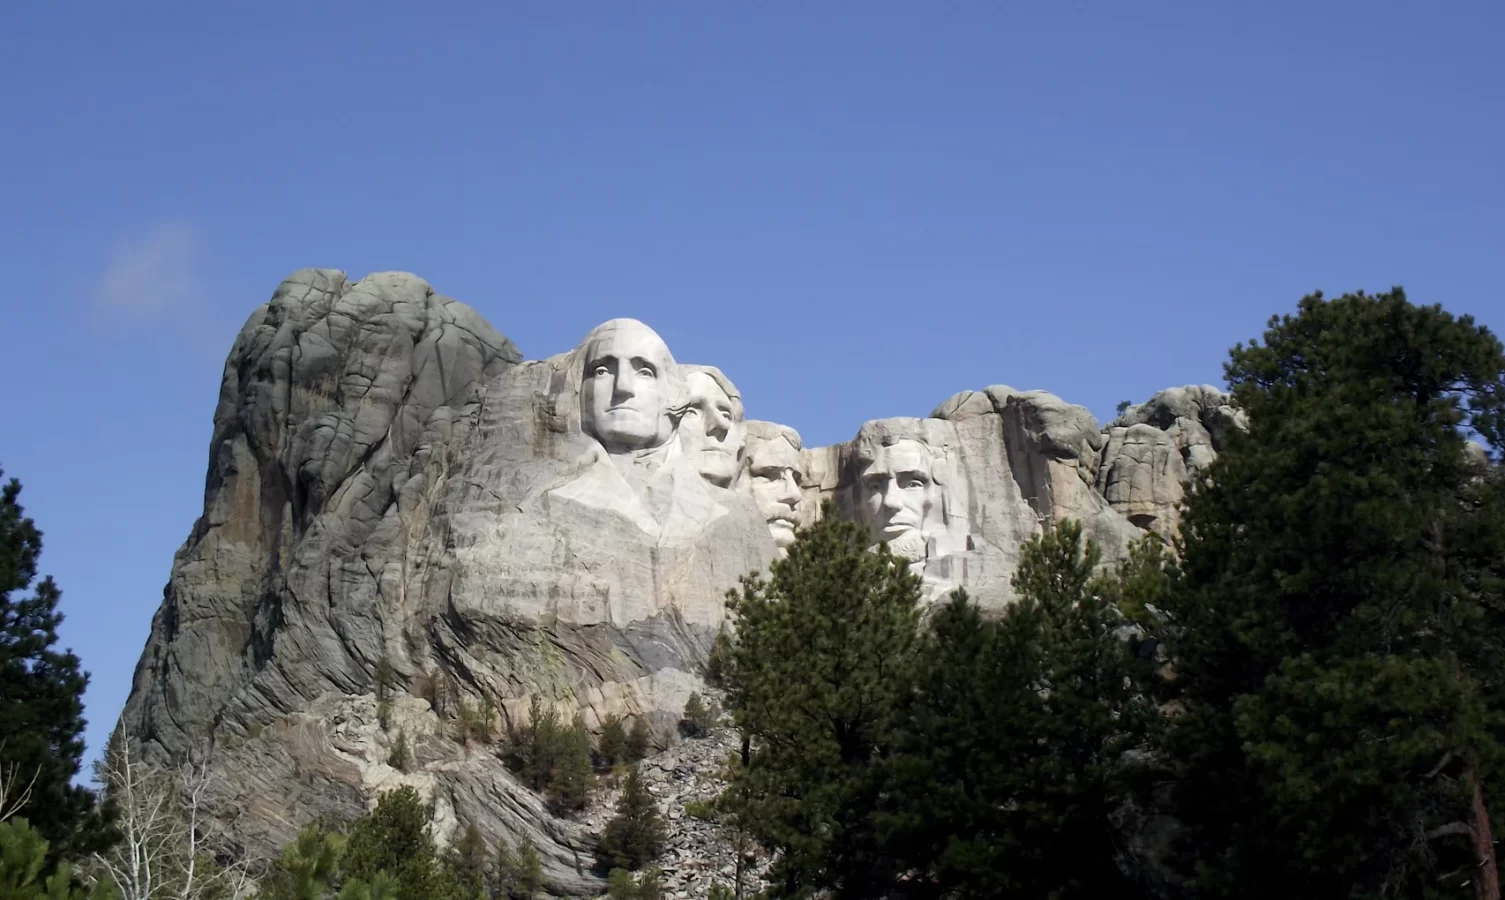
(13, 800)
(170, 847)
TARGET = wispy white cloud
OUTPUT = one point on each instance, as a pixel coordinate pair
(153, 275)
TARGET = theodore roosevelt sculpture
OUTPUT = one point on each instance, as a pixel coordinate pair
(774, 478)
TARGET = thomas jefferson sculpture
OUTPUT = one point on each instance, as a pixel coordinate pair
(711, 425)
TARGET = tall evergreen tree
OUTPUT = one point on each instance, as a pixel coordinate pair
(24, 871)
(518, 875)
(1010, 762)
(1338, 654)
(639, 740)
(41, 693)
(636, 834)
(394, 839)
(470, 864)
(822, 658)
(612, 747)
(572, 779)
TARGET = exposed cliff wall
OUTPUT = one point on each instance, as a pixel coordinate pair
(390, 487)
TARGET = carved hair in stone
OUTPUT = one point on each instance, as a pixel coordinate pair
(775, 478)
(908, 489)
(711, 425)
(630, 387)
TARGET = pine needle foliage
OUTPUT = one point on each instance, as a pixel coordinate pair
(823, 655)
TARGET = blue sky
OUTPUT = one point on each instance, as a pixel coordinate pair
(855, 209)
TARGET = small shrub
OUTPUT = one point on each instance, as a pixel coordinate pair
(475, 722)
(699, 809)
(254, 731)
(621, 886)
(718, 663)
(650, 884)
(385, 678)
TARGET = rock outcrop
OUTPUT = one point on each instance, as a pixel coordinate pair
(399, 507)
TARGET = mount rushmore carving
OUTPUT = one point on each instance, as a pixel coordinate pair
(391, 485)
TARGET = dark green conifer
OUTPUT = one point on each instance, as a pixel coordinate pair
(612, 748)
(823, 656)
(635, 835)
(470, 864)
(1339, 620)
(571, 781)
(41, 695)
(394, 839)
(699, 717)
(1009, 764)
(639, 740)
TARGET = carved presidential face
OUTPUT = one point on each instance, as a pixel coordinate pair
(774, 477)
(900, 498)
(624, 393)
(712, 428)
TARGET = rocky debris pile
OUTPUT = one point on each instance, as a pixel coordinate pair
(699, 852)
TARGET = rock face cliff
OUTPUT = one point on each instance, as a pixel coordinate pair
(395, 496)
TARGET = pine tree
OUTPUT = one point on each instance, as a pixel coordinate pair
(635, 835)
(381, 887)
(308, 868)
(506, 872)
(529, 872)
(571, 781)
(395, 839)
(41, 694)
(24, 868)
(639, 740)
(650, 884)
(1338, 626)
(698, 718)
(612, 748)
(470, 864)
(1008, 765)
(401, 757)
(822, 656)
